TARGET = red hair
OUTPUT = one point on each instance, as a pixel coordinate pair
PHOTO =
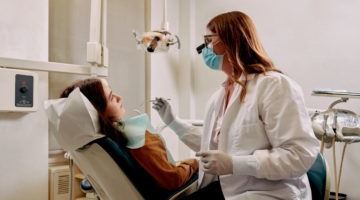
(242, 46)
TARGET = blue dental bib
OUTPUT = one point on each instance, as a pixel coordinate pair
(134, 129)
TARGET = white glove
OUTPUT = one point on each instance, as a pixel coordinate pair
(164, 109)
(215, 162)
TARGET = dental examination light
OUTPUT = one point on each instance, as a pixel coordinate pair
(157, 40)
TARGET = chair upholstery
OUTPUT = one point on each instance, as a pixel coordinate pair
(319, 179)
(115, 174)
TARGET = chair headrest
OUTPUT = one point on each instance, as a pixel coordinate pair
(75, 119)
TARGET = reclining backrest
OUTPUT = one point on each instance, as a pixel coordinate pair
(125, 165)
(105, 176)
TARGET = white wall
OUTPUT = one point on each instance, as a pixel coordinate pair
(314, 42)
(69, 33)
(24, 141)
(164, 69)
(127, 63)
(24, 29)
(24, 155)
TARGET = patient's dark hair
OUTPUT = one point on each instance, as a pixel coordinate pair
(93, 89)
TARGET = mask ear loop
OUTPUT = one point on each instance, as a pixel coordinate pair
(213, 44)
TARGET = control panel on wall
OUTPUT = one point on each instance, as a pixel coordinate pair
(18, 89)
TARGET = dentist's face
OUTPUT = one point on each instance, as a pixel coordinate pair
(218, 46)
(114, 108)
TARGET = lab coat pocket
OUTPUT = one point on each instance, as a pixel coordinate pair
(246, 138)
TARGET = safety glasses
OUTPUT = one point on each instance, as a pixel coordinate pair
(207, 41)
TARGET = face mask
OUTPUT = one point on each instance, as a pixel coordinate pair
(212, 60)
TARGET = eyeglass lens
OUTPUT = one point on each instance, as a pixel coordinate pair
(207, 39)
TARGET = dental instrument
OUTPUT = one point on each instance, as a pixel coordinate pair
(153, 100)
(141, 106)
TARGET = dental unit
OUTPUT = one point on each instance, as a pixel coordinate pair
(336, 125)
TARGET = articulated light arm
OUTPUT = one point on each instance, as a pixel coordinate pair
(97, 51)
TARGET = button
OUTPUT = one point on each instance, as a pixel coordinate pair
(23, 89)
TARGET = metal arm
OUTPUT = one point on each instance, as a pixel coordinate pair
(343, 99)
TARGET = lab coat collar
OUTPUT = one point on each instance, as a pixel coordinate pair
(237, 89)
(228, 81)
(249, 77)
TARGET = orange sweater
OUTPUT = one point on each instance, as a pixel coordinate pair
(153, 158)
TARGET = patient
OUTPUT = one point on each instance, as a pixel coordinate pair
(149, 150)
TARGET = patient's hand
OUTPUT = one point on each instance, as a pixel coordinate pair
(193, 163)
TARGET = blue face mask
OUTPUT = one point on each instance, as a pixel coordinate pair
(212, 60)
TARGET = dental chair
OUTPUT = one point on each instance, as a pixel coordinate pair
(319, 178)
(113, 173)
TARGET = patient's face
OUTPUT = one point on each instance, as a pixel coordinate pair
(114, 108)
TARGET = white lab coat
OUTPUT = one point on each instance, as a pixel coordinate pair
(269, 137)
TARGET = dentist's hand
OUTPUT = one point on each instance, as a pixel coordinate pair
(215, 162)
(164, 109)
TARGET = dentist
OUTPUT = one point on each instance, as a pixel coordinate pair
(257, 141)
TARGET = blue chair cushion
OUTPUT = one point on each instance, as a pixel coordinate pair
(317, 178)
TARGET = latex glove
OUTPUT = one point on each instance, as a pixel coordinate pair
(215, 162)
(164, 109)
